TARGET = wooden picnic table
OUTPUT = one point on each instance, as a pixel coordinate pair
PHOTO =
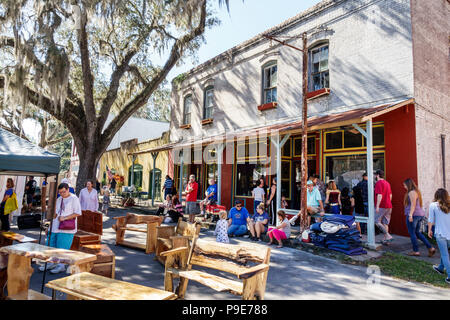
(20, 270)
(89, 286)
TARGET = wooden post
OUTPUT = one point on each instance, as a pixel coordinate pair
(154, 156)
(304, 214)
(51, 201)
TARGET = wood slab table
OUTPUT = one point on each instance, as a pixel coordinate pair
(89, 286)
(19, 263)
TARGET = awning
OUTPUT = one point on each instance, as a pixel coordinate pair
(292, 126)
(19, 157)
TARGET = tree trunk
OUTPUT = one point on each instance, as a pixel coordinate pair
(88, 168)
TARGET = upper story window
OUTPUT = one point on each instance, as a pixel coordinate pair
(319, 76)
(187, 109)
(208, 103)
(270, 72)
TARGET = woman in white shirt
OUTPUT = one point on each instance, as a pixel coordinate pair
(89, 197)
(439, 215)
(258, 195)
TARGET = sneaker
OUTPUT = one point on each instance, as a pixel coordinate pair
(259, 239)
(437, 269)
(50, 266)
(60, 268)
(447, 280)
(247, 236)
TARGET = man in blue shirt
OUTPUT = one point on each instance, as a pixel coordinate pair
(314, 203)
(168, 185)
(237, 220)
(211, 196)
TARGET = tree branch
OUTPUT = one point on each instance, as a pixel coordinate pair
(141, 99)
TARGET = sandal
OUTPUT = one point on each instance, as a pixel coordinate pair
(431, 252)
(414, 254)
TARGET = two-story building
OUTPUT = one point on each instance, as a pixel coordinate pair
(380, 65)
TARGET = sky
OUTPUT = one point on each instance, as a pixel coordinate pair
(245, 20)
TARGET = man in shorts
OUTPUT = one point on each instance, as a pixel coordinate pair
(211, 196)
(191, 198)
(313, 201)
(383, 205)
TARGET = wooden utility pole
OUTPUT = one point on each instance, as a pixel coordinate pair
(303, 212)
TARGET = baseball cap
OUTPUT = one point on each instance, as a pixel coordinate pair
(309, 182)
(238, 202)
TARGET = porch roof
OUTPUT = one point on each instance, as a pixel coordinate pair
(293, 126)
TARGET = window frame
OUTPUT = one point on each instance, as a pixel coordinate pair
(269, 65)
(311, 74)
(185, 114)
(205, 107)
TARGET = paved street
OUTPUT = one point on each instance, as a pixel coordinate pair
(293, 274)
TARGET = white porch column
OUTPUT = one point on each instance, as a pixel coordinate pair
(220, 148)
(278, 145)
(371, 223)
(180, 183)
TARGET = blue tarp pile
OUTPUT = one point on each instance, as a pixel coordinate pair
(338, 233)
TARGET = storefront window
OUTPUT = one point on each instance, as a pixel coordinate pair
(286, 179)
(377, 136)
(286, 150)
(137, 179)
(311, 146)
(211, 173)
(246, 177)
(352, 139)
(333, 140)
(347, 170)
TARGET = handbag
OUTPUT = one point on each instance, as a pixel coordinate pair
(66, 224)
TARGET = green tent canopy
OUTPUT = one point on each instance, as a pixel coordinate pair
(20, 158)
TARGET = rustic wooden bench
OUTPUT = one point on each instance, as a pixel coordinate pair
(89, 229)
(151, 222)
(88, 286)
(171, 237)
(249, 262)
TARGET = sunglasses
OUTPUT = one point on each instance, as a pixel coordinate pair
(239, 206)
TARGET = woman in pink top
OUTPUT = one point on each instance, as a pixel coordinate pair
(414, 216)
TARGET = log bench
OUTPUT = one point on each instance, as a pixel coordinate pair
(150, 222)
(171, 237)
(89, 286)
(248, 262)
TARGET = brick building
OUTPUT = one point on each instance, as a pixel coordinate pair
(380, 61)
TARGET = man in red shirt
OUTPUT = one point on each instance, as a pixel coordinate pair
(191, 198)
(383, 205)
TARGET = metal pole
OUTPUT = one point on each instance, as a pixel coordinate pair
(180, 183)
(132, 171)
(49, 235)
(304, 163)
(154, 155)
(371, 222)
(444, 178)
(278, 194)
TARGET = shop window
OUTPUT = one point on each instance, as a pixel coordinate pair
(246, 177)
(353, 139)
(286, 179)
(270, 72)
(157, 173)
(252, 150)
(137, 175)
(319, 76)
(286, 151)
(208, 103)
(377, 136)
(347, 170)
(211, 173)
(333, 140)
(310, 145)
(187, 110)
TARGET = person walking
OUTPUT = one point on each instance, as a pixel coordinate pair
(258, 194)
(168, 186)
(258, 223)
(106, 202)
(439, 216)
(364, 187)
(383, 206)
(191, 198)
(237, 220)
(281, 232)
(414, 216)
(30, 189)
(333, 198)
(8, 205)
(271, 202)
(89, 197)
(68, 208)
